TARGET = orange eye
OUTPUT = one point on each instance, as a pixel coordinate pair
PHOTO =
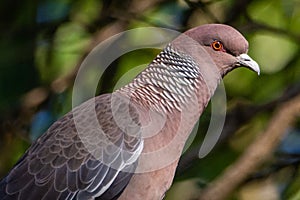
(217, 46)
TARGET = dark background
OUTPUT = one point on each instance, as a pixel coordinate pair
(42, 44)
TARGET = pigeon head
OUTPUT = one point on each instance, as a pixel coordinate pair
(226, 46)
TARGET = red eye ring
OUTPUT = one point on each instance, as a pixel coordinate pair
(217, 46)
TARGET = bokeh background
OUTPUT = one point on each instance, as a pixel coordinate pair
(42, 44)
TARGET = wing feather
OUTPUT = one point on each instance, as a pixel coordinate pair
(60, 166)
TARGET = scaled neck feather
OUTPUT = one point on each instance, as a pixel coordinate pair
(170, 82)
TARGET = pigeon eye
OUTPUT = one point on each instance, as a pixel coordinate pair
(217, 46)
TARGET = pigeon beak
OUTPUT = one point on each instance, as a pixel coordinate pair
(247, 61)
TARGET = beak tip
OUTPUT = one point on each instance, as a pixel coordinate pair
(254, 67)
(258, 73)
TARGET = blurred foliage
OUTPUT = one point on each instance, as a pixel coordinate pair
(44, 42)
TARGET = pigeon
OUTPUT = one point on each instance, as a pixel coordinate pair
(126, 145)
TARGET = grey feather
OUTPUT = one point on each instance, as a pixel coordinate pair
(58, 165)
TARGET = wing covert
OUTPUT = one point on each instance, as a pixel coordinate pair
(75, 159)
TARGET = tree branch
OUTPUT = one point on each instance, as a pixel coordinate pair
(241, 114)
(256, 154)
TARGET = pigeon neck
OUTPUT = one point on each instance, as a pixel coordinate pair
(170, 83)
